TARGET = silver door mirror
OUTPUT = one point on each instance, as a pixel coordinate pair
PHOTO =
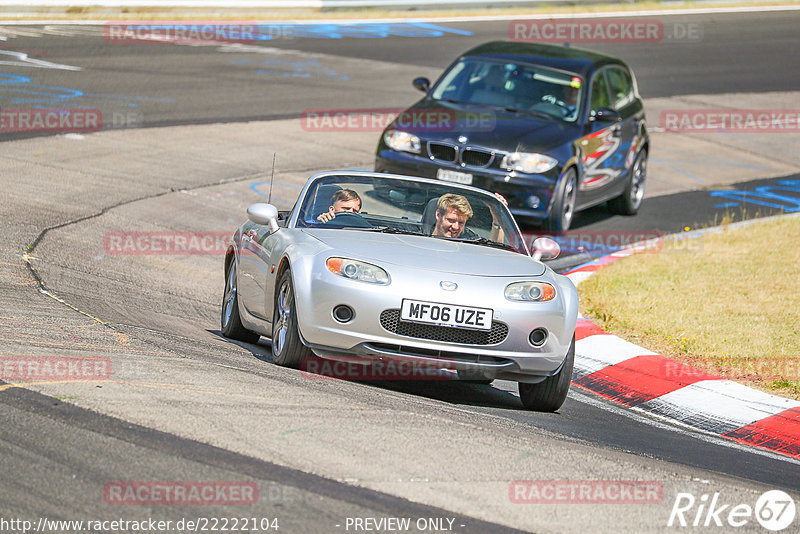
(264, 214)
(545, 248)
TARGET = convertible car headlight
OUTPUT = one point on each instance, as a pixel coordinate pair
(357, 270)
(402, 141)
(530, 291)
(528, 163)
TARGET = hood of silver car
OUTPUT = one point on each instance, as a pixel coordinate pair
(442, 255)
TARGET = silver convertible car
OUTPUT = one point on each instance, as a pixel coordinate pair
(372, 268)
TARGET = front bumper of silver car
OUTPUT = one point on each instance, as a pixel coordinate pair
(375, 333)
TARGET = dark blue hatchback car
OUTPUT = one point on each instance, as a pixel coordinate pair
(553, 129)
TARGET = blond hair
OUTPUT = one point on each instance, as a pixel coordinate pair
(456, 202)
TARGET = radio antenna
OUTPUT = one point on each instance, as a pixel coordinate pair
(271, 178)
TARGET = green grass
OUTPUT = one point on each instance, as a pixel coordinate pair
(727, 303)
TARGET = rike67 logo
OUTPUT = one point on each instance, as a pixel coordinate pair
(774, 510)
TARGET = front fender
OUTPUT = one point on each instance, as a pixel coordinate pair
(570, 292)
(300, 259)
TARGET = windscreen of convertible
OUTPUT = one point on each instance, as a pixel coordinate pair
(358, 203)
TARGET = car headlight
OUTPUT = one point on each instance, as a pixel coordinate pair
(528, 163)
(530, 291)
(357, 270)
(402, 141)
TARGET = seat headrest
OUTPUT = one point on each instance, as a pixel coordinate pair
(429, 216)
(322, 201)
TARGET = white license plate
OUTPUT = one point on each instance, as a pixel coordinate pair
(454, 176)
(418, 311)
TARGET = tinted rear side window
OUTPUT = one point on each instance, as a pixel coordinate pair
(599, 93)
(621, 88)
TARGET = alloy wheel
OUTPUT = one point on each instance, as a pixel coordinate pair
(230, 295)
(283, 316)
(637, 185)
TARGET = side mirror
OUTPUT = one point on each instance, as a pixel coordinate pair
(422, 83)
(545, 248)
(265, 215)
(607, 115)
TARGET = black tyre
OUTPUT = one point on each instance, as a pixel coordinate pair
(230, 320)
(550, 394)
(563, 209)
(287, 349)
(473, 377)
(629, 202)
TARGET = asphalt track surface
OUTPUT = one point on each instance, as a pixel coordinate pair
(301, 502)
(55, 457)
(166, 84)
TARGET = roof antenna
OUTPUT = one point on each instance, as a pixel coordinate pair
(271, 178)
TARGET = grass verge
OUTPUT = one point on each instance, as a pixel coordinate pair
(727, 303)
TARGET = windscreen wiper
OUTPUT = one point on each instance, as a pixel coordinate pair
(530, 112)
(486, 242)
(384, 230)
(454, 101)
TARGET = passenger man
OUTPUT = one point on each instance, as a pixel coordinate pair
(452, 212)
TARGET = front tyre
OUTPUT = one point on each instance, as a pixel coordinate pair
(230, 321)
(563, 209)
(550, 394)
(287, 349)
(629, 202)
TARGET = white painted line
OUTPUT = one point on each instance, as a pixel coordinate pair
(629, 251)
(718, 405)
(22, 60)
(416, 18)
(579, 276)
(670, 424)
(593, 353)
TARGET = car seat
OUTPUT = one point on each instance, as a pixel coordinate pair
(322, 200)
(429, 216)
